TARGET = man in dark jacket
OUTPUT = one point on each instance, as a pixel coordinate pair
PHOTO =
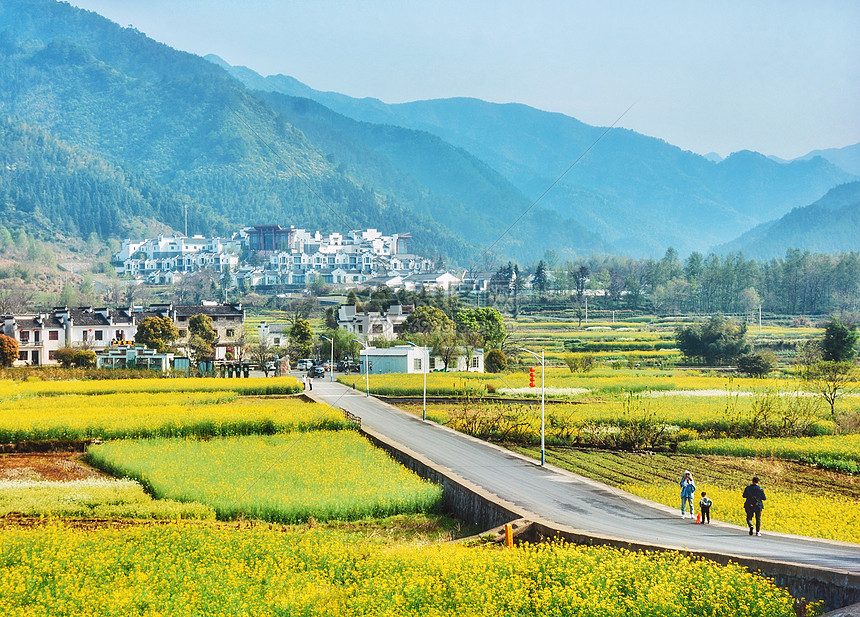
(753, 505)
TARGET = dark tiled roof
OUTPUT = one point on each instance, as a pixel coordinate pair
(120, 316)
(82, 317)
(221, 309)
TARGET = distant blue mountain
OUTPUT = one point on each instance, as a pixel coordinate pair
(847, 158)
(639, 193)
(830, 225)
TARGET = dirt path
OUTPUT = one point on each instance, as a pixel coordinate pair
(54, 466)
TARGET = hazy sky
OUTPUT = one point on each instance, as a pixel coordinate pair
(780, 77)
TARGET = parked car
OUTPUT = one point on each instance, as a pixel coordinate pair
(304, 364)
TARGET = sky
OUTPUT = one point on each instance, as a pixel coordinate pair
(778, 77)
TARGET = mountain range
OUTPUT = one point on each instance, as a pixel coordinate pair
(830, 225)
(108, 132)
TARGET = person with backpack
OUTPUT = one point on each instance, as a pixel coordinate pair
(688, 488)
(705, 504)
(753, 504)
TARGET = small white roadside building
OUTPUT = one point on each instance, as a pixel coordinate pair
(409, 359)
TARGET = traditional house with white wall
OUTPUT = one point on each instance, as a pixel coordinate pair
(40, 335)
(275, 334)
(371, 325)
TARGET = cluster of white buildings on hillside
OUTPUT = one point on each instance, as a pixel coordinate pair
(271, 256)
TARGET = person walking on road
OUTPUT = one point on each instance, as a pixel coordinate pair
(688, 488)
(705, 508)
(310, 379)
(304, 382)
(753, 504)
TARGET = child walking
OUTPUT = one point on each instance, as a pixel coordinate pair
(705, 506)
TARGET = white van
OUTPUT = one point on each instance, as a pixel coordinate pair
(304, 364)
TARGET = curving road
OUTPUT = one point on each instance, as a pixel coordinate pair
(577, 502)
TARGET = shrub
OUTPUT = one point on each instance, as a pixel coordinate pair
(756, 364)
(65, 356)
(496, 361)
(8, 350)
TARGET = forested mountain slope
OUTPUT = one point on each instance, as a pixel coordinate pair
(830, 225)
(182, 127)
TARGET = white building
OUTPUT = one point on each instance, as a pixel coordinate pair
(274, 335)
(40, 335)
(409, 359)
(386, 324)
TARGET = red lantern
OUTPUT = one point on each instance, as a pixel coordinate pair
(531, 377)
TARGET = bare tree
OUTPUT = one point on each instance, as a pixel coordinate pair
(15, 299)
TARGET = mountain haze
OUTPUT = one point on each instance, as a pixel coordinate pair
(639, 193)
(830, 225)
(105, 131)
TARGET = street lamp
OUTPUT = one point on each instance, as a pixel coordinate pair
(331, 363)
(426, 361)
(542, 401)
(366, 367)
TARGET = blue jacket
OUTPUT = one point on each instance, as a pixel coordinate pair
(688, 487)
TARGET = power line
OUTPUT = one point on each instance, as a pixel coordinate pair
(557, 180)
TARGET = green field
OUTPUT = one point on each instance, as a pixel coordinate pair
(284, 478)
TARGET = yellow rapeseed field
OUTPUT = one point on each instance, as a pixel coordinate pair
(147, 414)
(207, 571)
(14, 390)
(830, 517)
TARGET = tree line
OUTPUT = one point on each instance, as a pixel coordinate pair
(800, 283)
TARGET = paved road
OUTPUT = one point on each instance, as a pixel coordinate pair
(578, 502)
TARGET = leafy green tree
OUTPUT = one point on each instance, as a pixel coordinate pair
(486, 324)
(84, 358)
(427, 320)
(65, 356)
(840, 342)
(202, 337)
(301, 339)
(541, 277)
(156, 333)
(8, 350)
(446, 345)
(716, 341)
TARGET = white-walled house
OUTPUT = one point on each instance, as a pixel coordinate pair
(409, 359)
(275, 334)
(373, 325)
(40, 335)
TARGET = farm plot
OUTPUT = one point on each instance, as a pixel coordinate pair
(204, 570)
(599, 382)
(284, 478)
(92, 497)
(147, 414)
(16, 390)
(840, 452)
